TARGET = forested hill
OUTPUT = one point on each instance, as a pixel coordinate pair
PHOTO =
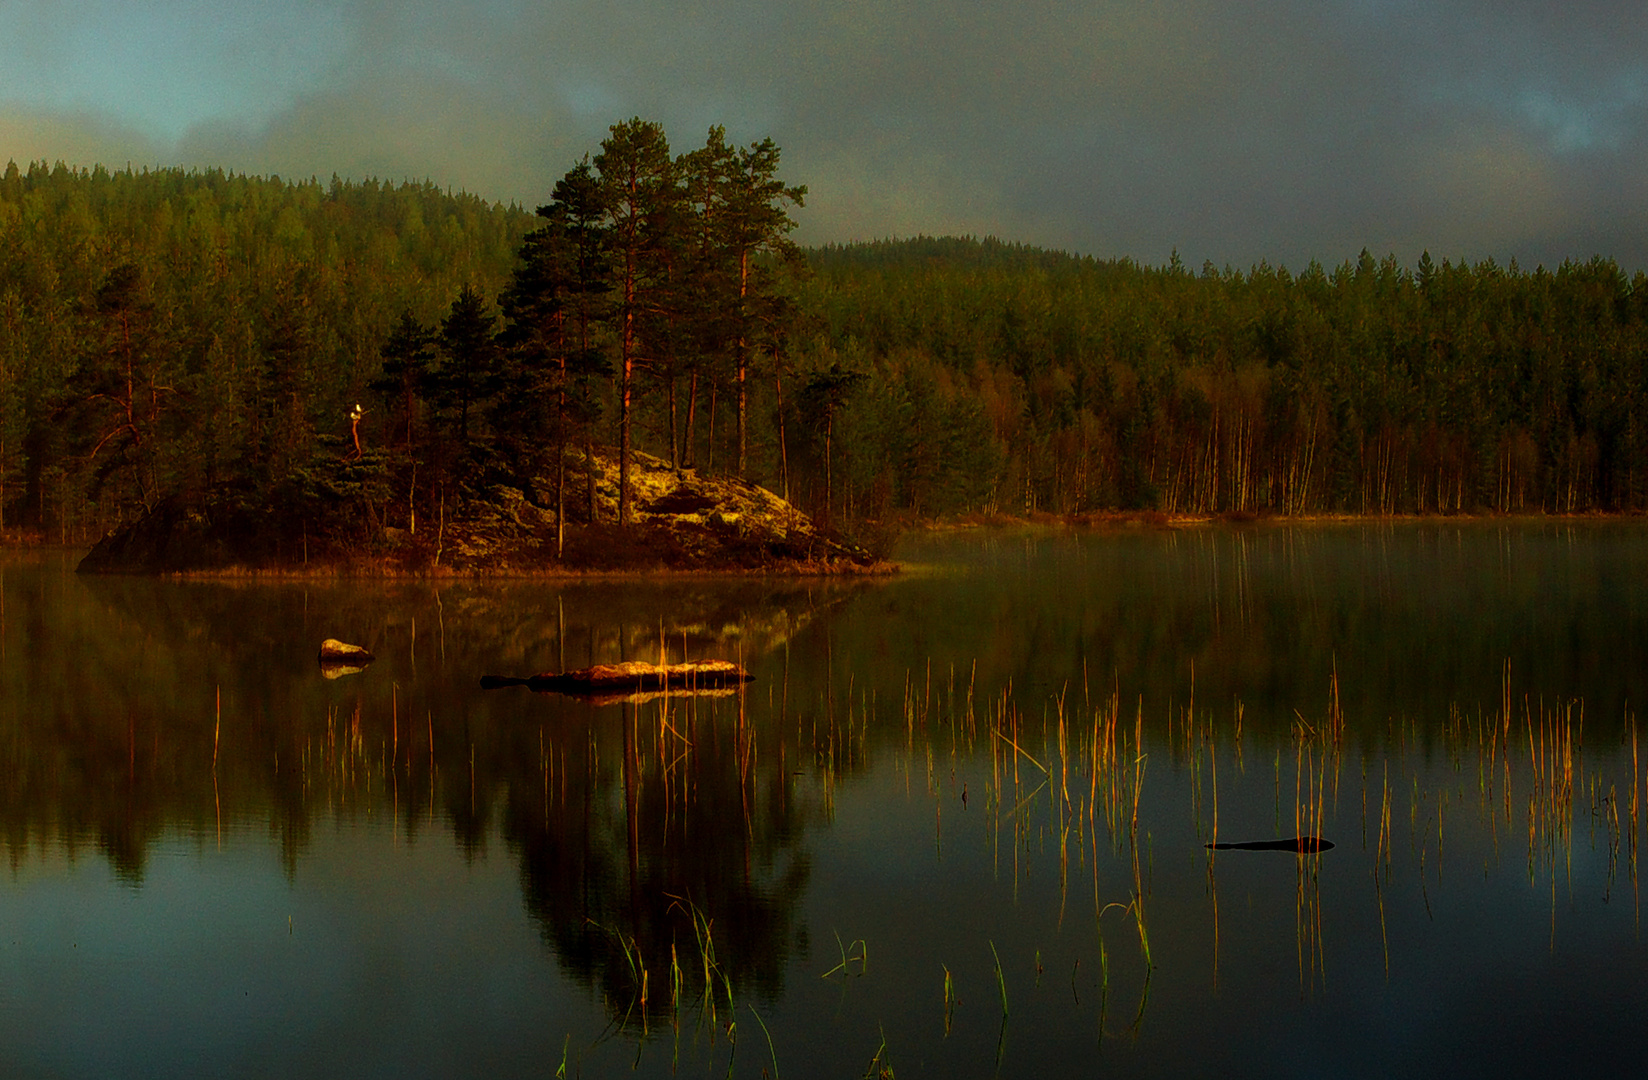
(960, 253)
(169, 331)
(174, 330)
(1368, 388)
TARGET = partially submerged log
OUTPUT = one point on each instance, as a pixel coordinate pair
(630, 677)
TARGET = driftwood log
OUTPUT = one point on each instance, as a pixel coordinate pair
(629, 677)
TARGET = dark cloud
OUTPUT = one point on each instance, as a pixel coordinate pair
(1233, 130)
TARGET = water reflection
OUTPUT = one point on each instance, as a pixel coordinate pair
(140, 709)
(1413, 617)
(958, 822)
(664, 856)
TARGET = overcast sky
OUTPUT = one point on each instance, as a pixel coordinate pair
(1233, 130)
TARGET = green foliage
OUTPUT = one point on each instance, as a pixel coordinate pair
(167, 332)
(334, 476)
(170, 334)
(468, 370)
(1370, 389)
(408, 358)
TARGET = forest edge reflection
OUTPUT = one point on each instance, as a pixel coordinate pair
(639, 784)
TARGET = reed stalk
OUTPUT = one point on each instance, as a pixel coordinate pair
(770, 1048)
(856, 951)
(1001, 980)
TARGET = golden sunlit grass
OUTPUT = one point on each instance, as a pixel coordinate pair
(1072, 775)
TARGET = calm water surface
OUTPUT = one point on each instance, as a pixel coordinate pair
(955, 827)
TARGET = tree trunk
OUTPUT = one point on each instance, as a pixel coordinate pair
(623, 411)
(709, 452)
(829, 430)
(589, 471)
(675, 458)
(783, 450)
(743, 364)
(686, 434)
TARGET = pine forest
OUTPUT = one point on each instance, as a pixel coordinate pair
(361, 355)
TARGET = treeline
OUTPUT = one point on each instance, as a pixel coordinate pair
(176, 332)
(367, 354)
(1371, 388)
(356, 358)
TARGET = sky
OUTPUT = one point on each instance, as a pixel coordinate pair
(1232, 131)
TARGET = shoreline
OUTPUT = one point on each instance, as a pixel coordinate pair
(1161, 519)
(366, 569)
(356, 573)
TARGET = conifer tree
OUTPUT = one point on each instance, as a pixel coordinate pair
(408, 356)
(469, 357)
(552, 310)
(119, 392)
(638, 188)
(742, 218)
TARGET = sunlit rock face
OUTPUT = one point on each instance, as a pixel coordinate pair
(685, 519)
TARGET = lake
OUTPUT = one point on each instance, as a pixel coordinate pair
(956, 826)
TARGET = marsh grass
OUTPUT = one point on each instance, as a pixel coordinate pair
(770, 1048)
(856, 951)
(881, 1065)
(634, 961)
(1001, 980)
(1067, 776)
(1091, 773)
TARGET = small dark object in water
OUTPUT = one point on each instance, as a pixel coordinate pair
(629, 676)
(1298, 844)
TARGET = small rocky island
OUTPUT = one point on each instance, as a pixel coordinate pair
(681, 521)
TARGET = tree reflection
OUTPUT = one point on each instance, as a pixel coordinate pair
(657, 822)
(659, 834)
